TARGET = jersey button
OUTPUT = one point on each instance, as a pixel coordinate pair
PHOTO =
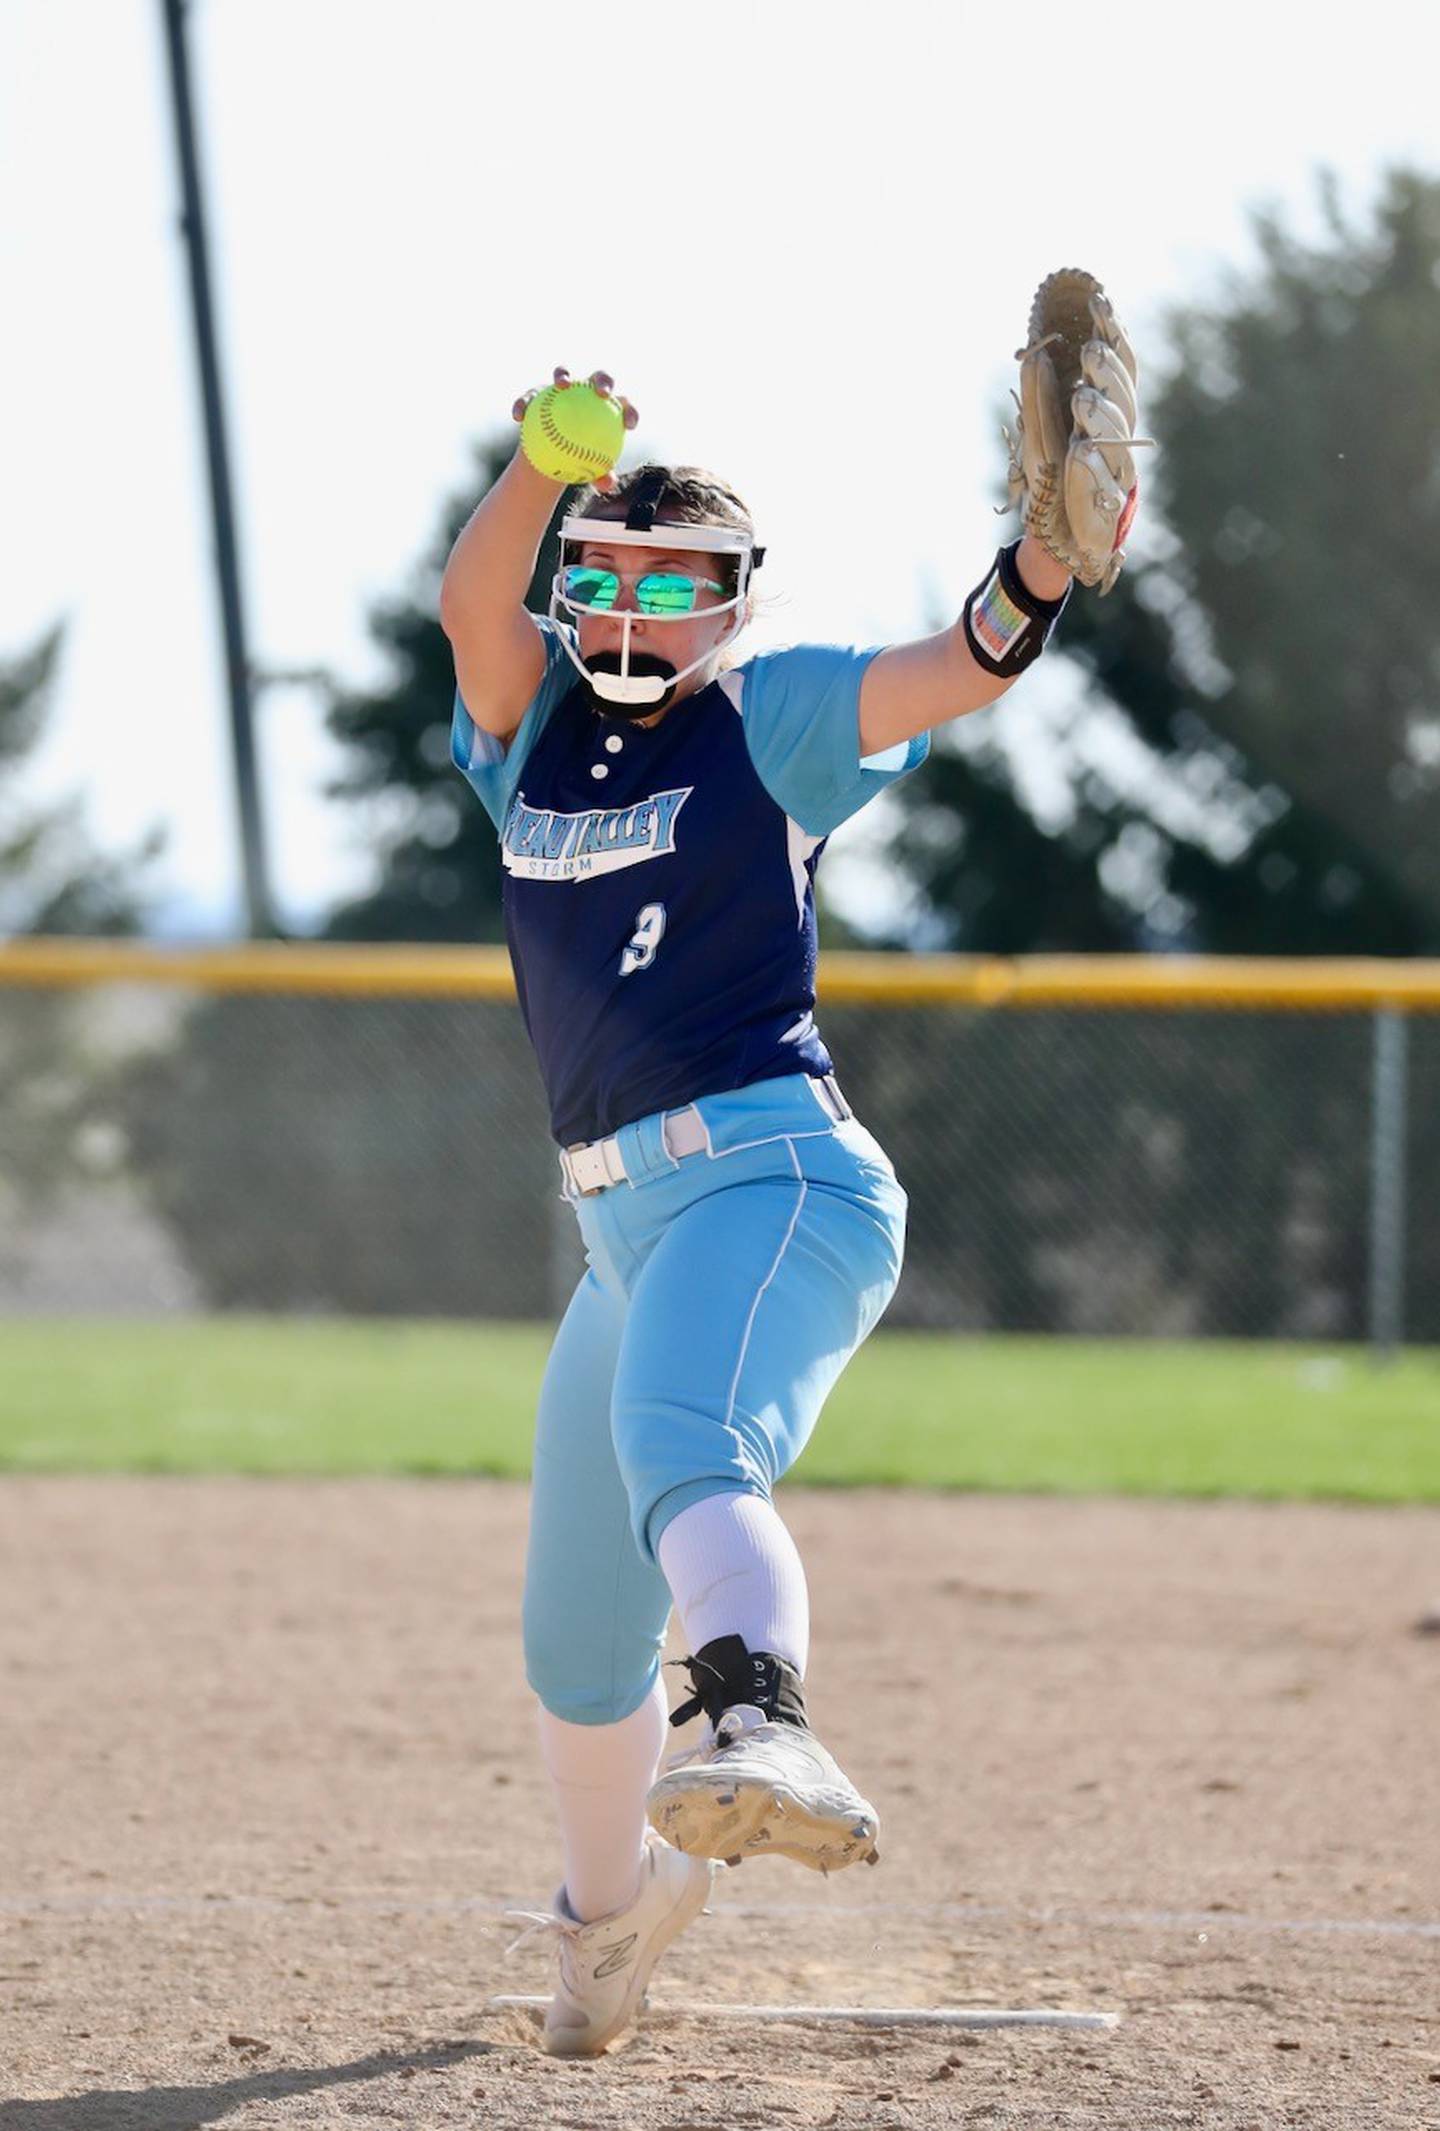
(599, 769)
(613, 744)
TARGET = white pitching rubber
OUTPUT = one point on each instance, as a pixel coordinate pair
(858, 2015)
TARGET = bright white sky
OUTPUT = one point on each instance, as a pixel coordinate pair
(803, 235)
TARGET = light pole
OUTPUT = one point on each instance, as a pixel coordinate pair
(259, 910)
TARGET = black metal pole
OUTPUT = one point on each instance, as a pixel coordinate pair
(227, 564)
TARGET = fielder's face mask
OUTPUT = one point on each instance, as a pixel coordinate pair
(631, 684)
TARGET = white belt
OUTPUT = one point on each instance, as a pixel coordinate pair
(597, 1164)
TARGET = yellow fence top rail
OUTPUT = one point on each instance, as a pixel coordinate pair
(329, 966)
(1133, 980)
(1098, 981)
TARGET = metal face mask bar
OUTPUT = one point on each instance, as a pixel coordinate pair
(643, 689)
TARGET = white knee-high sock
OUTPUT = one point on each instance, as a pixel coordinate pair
(601, 1774)
(733, 1569)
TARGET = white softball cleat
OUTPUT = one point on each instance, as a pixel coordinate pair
(605, 1965)
(759, 1789)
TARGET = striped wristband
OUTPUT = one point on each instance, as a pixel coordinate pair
(1006, 626)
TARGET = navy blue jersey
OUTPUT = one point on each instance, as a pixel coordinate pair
(659, 898)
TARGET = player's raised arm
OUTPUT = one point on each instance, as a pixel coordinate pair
(910, 688)
(568, 434)
(1072, 474)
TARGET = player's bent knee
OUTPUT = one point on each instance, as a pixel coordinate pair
(577, 1680)
(581, 1702)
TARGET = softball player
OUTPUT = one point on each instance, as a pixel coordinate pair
(661, 812)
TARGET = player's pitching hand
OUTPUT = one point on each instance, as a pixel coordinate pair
(603, 385)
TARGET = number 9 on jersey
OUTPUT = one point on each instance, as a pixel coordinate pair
(648, 933)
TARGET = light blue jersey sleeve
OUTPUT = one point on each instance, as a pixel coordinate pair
(493, 769)
(801, 710)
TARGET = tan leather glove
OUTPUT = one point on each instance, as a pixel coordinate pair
(1071, 466)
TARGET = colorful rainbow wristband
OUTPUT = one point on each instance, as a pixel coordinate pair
(1006, 626)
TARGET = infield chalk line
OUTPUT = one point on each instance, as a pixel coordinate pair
(856, 2015)
(1206, 1920)
(1202, 1920)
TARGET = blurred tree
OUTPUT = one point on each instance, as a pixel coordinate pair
(438, 857)
(52, 878)
(1250, 748)
(1302, 473)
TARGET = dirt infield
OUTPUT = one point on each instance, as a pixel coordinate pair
(268, 1779)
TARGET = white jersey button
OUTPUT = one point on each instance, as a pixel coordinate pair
(613, 744)
(599, 769)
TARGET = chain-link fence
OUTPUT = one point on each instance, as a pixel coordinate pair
(1255, 1173)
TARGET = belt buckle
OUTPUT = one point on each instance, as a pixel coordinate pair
(598, 1152)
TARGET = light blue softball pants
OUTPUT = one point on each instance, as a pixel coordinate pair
(724, 1293)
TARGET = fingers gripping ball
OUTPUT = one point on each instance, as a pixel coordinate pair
(572, 433)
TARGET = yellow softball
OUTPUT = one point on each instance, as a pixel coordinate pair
(572, 433)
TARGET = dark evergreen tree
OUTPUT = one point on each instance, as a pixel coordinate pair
(1277, 667)
(439, 867)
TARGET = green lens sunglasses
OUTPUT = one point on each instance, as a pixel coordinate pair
(657, 592)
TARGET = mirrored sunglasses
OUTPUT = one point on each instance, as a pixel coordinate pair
(657, 592)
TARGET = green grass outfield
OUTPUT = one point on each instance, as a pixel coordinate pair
(275, 1395)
